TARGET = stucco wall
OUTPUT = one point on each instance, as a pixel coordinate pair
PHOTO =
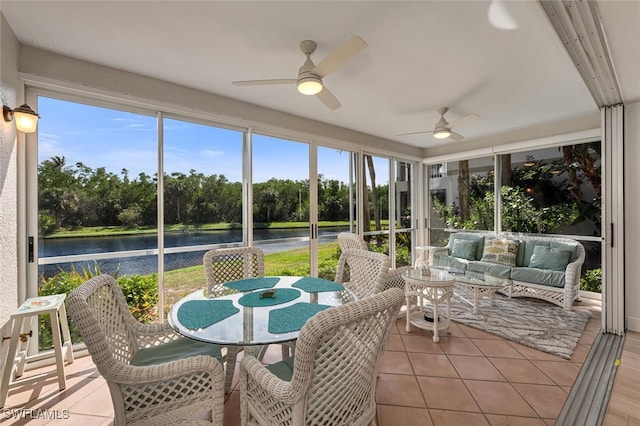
(632, 220)
(8, 176)
(9, 86)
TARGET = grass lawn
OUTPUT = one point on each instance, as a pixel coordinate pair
(181, 282)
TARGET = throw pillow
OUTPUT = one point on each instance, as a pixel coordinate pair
(464, 249)
(500, 251)
(544, 257)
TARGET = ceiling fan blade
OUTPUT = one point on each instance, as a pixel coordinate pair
(455, 136)
(415, 133)
(339, 56)
(462, 120)
(264, 82)
(328, 99)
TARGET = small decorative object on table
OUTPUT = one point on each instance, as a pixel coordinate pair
(270, 294)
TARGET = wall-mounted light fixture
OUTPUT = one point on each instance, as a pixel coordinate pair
(26, 118)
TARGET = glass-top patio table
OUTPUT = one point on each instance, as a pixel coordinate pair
(477, 286)
(263, 310)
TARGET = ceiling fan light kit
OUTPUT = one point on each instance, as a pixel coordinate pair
(310, 85)
(309, 81)
(441, 133)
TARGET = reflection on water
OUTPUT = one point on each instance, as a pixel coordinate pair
(143, 265)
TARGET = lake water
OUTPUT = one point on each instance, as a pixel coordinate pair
(269, 240)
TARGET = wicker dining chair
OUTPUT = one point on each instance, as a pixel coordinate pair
(363, 272)
(231, 264)
(331, 380)
(155, 376)
(348, 240)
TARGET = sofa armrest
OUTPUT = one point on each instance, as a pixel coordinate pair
(572, 278)
(437, 251)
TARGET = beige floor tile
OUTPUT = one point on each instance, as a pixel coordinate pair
(475, 333)
(395, 343)
(563, 373)
(520, 371)
(477, 368)
(533, 354)
(232, 409)
(498, 420)
(395, 363)
(420, 343)
(499, 398)
(457, 418)
(391, 415)
(434, 365)
(418, 383)
(459, 346)
(545, 399)
(496, 348)
(93, 403)
(580, 353)
(397, 389)
(447, 394)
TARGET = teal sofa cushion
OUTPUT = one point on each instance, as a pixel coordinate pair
(538, 276)
(478, 238)
(494, 269)
(549, 258)
(180, 348)
(571, 248)
(282, 369)
(464, 249)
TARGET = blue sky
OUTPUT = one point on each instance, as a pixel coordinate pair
(116, 140)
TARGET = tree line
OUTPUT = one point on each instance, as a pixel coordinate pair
(73, 196)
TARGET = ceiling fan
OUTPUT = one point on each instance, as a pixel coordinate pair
(309, 81)
(442, 129)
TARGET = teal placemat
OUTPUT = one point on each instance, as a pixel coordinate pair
(196, 314)
(282, 295)
(250, 284)
(316, 285)
(293, 317)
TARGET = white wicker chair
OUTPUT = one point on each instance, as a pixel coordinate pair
(155, 376)
(348, 240)
(363, 272)
(230, 264)
(395, 280)
(331, 380)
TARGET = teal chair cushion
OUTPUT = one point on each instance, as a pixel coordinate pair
(180, 348)
(283, 369)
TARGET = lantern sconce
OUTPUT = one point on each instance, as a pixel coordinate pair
(26, 118)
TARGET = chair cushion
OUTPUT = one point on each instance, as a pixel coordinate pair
(549, 258)
(538, 276)
(282, 369)
(494, 269)
(180, 348)
(465, 249)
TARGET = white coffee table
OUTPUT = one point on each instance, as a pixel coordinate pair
(436, 287)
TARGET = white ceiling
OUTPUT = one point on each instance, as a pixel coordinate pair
(421, 55)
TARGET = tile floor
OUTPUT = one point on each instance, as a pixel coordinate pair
(469, 378)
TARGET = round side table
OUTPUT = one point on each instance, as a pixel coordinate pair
(437, 287)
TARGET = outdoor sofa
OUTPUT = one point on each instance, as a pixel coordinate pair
(546, 268)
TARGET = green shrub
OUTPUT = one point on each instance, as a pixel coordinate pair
(592, 280)
(140, 291)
